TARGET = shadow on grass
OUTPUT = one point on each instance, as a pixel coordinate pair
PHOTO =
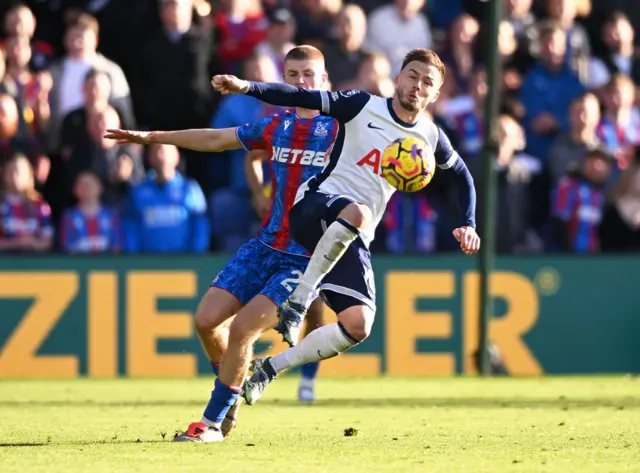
(427, 402)
(80, 443)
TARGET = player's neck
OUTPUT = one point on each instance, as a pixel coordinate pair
(306, 113)
(405, 115)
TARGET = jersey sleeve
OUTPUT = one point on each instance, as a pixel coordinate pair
(445, 155)
(343, 105)
(253, 136)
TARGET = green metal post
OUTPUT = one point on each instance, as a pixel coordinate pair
(488, 224)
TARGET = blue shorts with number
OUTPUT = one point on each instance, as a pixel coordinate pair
(259, 269)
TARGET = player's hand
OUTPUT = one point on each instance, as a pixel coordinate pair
(468, 239)
(226, 84)
(128, 136)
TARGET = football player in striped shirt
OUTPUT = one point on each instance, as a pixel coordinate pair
(266, 270)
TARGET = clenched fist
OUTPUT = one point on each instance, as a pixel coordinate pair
(468, 239)
(226, 84)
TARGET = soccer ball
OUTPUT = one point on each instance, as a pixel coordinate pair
(408, 165)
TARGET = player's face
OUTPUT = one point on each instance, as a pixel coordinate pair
(307, 74)
(418, 85)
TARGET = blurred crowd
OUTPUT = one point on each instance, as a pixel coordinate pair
(568, 170)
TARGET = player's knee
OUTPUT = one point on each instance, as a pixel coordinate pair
(357, 321)
(244, 330)
(357, 215)
(208, 326)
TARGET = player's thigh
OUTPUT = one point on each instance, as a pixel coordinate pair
(358, 215)
(255, 318)
(285, 272)
(216, 309)
(349, 290)
(242, 276)
(315, 315)
(309, 218)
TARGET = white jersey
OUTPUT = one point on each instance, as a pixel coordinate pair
(368, 125)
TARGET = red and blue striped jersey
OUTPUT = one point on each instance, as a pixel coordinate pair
(21, 218)
(82, 233)
(580, 204)
(299, 149)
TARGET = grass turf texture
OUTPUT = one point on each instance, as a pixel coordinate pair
(384, 424)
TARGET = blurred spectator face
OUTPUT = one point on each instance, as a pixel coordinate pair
(464, 30)
(281, 33)
(511, 138)
(584, 114)
(98, 124)
(409, 8)
(518, 8)
(617, 34)
(507, 43)
(306, 73)
(80, 40)
(164, 159)
(176, 15)
(18, 52)
(596, 167)
(18, 176)
(19, 21)
(2, 64)
(88, 188)
(96, 89)
(8, 116)
(352, 27)
(619, 94)
(260, 69)
(375, 68)
(553, 48)
(478, 85)
(563, 11)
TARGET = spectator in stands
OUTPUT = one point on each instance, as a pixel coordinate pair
(620, 229)
(315, 20)
(344, 54)
(174, 70)
(11, 141)
(81, 41)
(619, 55)
(166, 212)
(547, 91)
(90, 227)
(403, 16)
(25, 217)
(96, 90)
(240, 29)
(279, 37)
(230, 204)
(118, 166)
(578, 203)
(464, 115)
(460, 55)
(569, 150)
(578, 50)
(374, 76)
(410, 224)
(619, 128)
(523, 21)
(20, 21)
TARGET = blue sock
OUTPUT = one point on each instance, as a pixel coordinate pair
(310, 370)
(222, 398)
(215, 367)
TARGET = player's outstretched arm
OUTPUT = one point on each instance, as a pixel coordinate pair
(447, 158)
(341, 105)
(208, 139)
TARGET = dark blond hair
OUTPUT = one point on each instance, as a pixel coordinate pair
(425, 56)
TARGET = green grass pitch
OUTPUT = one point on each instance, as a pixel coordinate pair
(563, 425)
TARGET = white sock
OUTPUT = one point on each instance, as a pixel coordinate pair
(307, 382)
(210, 423)
(324, 342)
(329, 249)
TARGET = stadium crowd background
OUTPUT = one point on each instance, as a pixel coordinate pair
(568, 172)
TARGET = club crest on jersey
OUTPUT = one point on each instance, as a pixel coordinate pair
(321, 129)
(287, 124)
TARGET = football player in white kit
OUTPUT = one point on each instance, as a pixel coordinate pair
(336, 213)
